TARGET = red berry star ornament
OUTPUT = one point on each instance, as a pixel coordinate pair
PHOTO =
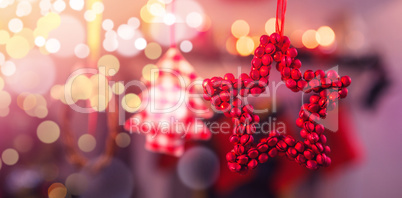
(225, 94)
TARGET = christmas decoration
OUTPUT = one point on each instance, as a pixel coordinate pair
(225, 95)
(163, 129)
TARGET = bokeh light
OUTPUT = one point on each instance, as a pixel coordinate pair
(186, 46)
(77, 5)
(81, 50)
(108, 65)
(270, 26)
(309, 39)
(4, 36)
(118, 88)
(240, 28)
(296, 38)
(23, 143)
(194, 19)
(134, 22)
(107, 24)
(90, 15)
(5, 99)
(52, 45)
(245, 46)
(17, 47)
(35, 73)
(15, 25)
(148, 71)
(140, 43)
(10, 156)
(24, 8)
(98, 7)
(57, 190)
(131, 102)
(59, 6)
(126, 32)
(76, 183)
(48, 132)
(325, 36)
(198, 168)
(123, 140)
(1, 83)
(153, 51)
(8, 68)
(40, 41)
(87, 143)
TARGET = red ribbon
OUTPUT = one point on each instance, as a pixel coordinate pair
(280, 16)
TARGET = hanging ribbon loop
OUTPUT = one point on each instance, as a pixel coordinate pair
(280, 16)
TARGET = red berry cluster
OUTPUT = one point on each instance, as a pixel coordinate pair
(225, 95)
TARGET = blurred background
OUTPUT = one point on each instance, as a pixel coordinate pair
(49, 150)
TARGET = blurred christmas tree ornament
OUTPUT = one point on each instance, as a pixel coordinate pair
(226, 96)
(171, 111)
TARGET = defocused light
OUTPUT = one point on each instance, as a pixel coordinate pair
(48, 132)
(10, 156)
(59, 6)
(1, 83)
(87, 143)
(41, 112)
(29, 102)
(81, 50)
(194, 19)
(134, 22)
(110, 63)
(148, 70)
(2, 58)
(123, 140)
(296, 38)
(118, 88)
(57, 190)
(107, 24)
(8, 68)
(186, 46)
(98, 7)
(24, 8)
(146, 15)
(17, 47)
(169, 19)
(198, 168)
(52, 45)
(57, 91)
(153, 51)
(245, 46)
(240, 28)
(126, 32)
(309, 39)
(270, 26)
(40, 41)
(325, 36)
(157, 9)
(76, 183)
(77, 4)
(15, 25)
(4, 36)
(4, 112)
(81, 87)
(90, 15)
(131, 102)
(355, 40)
(140, 43)
(23, 143)
(5, 99)
(110, 43)
(231, 45)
